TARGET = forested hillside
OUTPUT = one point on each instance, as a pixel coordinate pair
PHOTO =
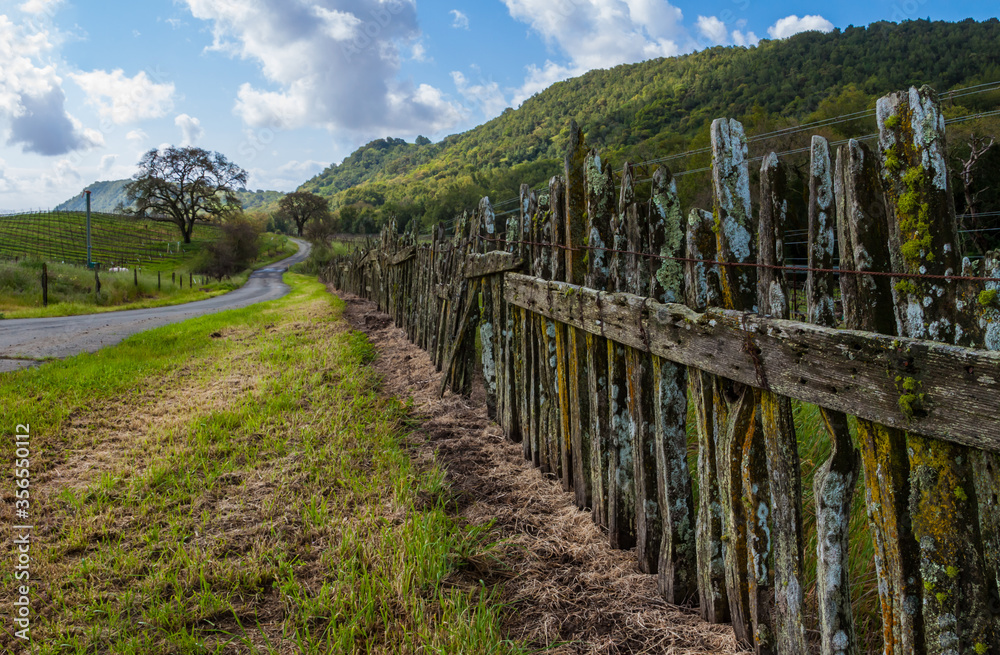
(664, 106)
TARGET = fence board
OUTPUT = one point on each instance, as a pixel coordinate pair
(678, 558)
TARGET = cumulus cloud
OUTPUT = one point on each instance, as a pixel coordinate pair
(605, 33)
(540, 78)
(136, 135)
(36, 7)
(126, 99)
(486, 94)
(790, 25)
(745, 39)
(337, 69)
(191, 130)
(32, 100)
(107, 161)
(461, 21)
(713, 29)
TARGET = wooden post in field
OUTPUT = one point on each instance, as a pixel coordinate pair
(158, 284)
(600, 199)
(731, 182)
(45, 285)
(135, 276)
(575, 238)
(511, 349)
(97, 280)
(190, 280)
(635, 276)
(678, 560)
(701, 291)
(924, 239)
(776, 411)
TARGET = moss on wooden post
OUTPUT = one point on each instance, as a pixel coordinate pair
(865, 247)
(734, 234)
(701, 283)
(778, 424)
(924, 239)
(678, 560)
(600, 198)
(622, 484)
(557, 264)
(986, 466)
(488, 328)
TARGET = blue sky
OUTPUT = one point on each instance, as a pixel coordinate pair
(286, 87)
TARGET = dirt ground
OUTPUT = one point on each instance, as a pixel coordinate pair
(566, 589)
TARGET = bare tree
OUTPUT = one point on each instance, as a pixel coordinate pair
(978, 146)
(186, 184)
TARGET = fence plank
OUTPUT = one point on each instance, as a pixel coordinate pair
(678, 560)
(835, 479)
(600, 196)
(576, 271)
(776, 413)
(731, 191)
(621, 487)
(488, 328)
(865, 247)
(701, 290)
(557, 264)
(986, 466)
(636, 277)
(924, 239)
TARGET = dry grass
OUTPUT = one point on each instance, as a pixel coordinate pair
(566, 590)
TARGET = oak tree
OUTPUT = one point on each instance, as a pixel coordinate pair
(302, 206)
(185, 184)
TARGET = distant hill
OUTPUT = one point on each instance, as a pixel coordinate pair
(664, 106)
(106, 196)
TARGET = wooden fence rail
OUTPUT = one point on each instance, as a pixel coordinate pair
(597, 318)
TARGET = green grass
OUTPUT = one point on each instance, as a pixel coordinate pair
(71, 288)
(248, 490)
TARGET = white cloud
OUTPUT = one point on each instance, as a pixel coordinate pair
(419, 52)
(790, 25)
(36, 7)
(136, 135)
(713, 29)
(32, 101)
(191, 130)
(337, 69)
(461, 21)
(484, 94)
(539, 79)
(605, 33)
(126, 99)
(747, 39)
(107, 161)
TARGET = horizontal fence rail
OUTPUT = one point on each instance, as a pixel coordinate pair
(598, 322)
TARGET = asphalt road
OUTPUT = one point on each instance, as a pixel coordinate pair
(23, 342)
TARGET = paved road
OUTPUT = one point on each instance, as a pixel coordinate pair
(24, 341)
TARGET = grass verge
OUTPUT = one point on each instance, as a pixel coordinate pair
(237, 483)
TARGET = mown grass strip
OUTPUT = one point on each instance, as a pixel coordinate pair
(236, 483)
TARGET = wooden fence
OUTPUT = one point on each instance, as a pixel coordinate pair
(601, 317)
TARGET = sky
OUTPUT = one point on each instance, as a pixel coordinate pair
(285, 88)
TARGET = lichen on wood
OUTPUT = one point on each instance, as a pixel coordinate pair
(956, 598)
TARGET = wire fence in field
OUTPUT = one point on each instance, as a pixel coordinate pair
(115, 239)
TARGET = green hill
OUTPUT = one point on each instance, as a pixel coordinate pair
(659, 107)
